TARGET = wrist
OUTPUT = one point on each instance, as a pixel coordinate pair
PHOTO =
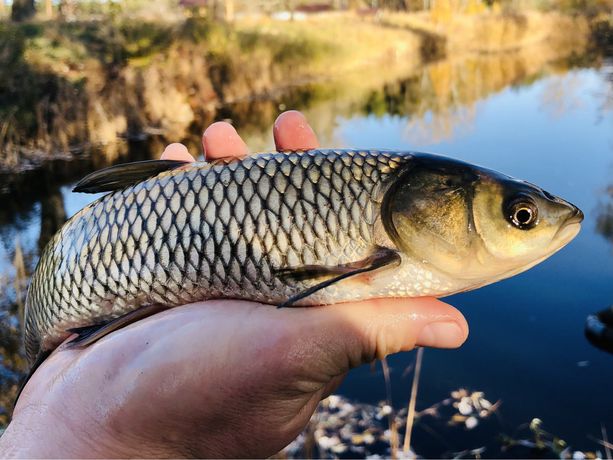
(31, 435)
(36, 431)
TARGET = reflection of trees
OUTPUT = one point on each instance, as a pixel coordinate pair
(604, 221)
(12, 360)
(561, 95)
(13, 285)
(608, 72)
(439, 99)
(52, 216)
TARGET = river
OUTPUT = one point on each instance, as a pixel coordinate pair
(547, 120)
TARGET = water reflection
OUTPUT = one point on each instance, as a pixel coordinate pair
(52, 216)
(604, 222)
(13, 284)
(435, 104)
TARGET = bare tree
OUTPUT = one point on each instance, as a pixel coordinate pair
(49, 9)
(53, 215)
(67, 9)
(229, 10)
(22, 10)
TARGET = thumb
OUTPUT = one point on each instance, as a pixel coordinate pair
(359, 332)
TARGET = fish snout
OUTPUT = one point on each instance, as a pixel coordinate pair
(575, 215)
(571, 214)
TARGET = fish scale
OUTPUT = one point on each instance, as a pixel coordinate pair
(209, 231)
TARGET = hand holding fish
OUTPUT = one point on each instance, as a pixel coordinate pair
(221, 378)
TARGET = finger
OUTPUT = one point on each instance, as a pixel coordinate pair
(359, 332)
(293, 132)
(177, 152)
(220, 140)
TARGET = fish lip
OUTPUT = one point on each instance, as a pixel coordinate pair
(567, 232)
(576, 217)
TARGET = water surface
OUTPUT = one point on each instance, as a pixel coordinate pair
(526, 345)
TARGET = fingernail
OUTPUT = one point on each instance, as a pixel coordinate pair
(293, 132)
(290, 114)
(441, 335)
(221, 140)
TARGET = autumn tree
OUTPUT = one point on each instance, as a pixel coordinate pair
(22, 10)
(48, 9)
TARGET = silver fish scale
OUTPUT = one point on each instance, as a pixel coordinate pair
(208, 231)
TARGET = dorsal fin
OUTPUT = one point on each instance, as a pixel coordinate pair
(121, 176)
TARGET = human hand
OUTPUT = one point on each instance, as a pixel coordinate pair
(220, 378)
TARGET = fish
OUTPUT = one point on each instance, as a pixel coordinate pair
(297, 228)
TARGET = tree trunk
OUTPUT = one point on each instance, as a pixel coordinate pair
(229, 10)
(22, 10)
(52, 216)
(67, 9)
(49, 9)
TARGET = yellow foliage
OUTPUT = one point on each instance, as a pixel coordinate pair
(469, 26)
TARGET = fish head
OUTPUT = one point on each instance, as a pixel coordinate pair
(474, 225)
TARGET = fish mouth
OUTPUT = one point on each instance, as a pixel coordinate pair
(576, 216)
(570, 228)
(568, 231)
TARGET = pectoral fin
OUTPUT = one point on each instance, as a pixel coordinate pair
(380, 258)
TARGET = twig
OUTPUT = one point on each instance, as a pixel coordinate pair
(388, 382)
(20, 276)
(388, 396)
(407, 370)
(601, 442)
(608, 445)
(411, 410)
(605, 440)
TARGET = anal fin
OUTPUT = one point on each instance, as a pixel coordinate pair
(380, 258)
(87, 335)
(40, 358)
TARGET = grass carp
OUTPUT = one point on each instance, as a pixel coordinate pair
(298, 228)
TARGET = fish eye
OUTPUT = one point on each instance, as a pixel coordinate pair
(522, 213)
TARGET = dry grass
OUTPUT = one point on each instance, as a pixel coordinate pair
(391, 419)
(344, 42)
(492, 31)
(605, 442)
(20, 281)
(411, 410)
(13, 285)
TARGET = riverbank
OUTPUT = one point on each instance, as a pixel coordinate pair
(67, 88)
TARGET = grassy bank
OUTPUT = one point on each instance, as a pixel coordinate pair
(65, 87)
(494, 32)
